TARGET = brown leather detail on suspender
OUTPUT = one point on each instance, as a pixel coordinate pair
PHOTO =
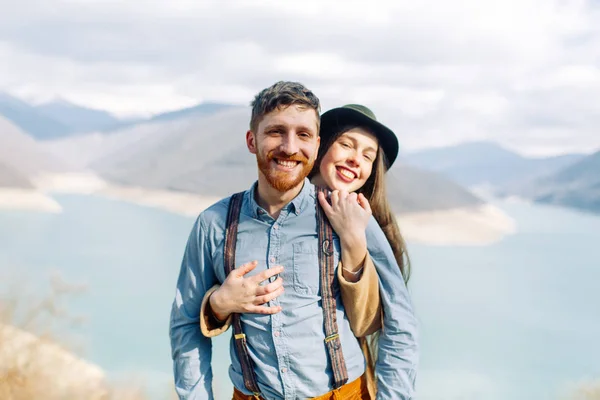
(233, 217)
(327, 270)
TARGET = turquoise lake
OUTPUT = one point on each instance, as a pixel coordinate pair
(515, 320)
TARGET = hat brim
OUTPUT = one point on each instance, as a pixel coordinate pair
(339, 117)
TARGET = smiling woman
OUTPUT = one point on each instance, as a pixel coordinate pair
(349, 161)
(356, 152)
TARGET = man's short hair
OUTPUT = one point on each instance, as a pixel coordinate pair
(280, 95)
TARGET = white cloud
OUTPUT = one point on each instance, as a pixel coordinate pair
(487, 104)
(566, 76)
(437, 72)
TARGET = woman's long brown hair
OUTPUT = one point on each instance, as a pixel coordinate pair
(374, 190)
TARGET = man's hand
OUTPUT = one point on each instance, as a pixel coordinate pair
(239, 294)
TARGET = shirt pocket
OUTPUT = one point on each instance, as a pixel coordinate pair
(306, 267)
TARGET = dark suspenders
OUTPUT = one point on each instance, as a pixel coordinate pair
(327, 274)
(241, 347)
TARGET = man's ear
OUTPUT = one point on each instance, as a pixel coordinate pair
(318, 145)
(251, 142)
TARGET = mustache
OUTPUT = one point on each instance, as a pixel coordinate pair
(287, 157)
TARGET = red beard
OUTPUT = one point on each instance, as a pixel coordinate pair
(280, 180)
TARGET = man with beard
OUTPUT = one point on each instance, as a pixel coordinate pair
(275, 233)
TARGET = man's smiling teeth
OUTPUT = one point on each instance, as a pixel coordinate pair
(287, 164)
(347, 174)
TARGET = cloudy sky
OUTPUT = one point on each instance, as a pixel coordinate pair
(525, 73)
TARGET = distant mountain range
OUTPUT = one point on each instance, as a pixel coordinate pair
(21, 157)
(576, 186)
(570, 180)
(76, 118)
(29, 119)
(207, 154)
(413, 189)
(201, 149)
(10, 177)
(182, 155)
(199, 110)
(22, 153)
(60, 118)
(486, 163)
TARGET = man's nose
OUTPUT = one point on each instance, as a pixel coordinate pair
(289, 144)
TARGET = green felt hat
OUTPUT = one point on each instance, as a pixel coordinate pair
(334, 119)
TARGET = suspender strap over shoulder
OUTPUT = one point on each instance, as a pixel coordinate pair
(241, 346)
(327, 271)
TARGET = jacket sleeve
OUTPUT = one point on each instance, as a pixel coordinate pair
(209, 325)
(361, 300)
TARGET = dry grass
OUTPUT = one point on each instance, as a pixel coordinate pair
(35, 363)
(587, 390)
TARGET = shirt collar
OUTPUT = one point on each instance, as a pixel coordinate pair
(304, 198)
(299, 203)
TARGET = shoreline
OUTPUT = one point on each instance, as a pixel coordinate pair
(469, 226)
(19, 199)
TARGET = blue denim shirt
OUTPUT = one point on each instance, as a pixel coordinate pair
(287, 348)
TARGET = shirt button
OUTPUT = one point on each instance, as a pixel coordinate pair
(276, 334)
(272, 259)
(275, 227)
(283, 370)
